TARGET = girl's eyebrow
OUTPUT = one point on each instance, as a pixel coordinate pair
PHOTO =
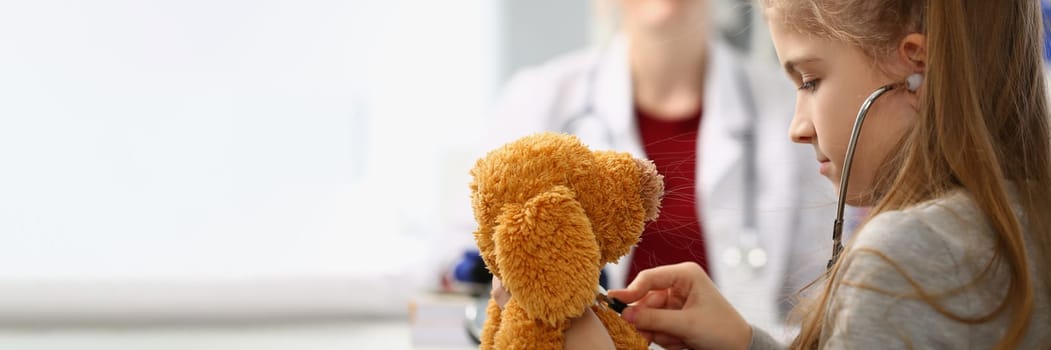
(790, 65)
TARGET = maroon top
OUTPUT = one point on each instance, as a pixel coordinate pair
(676, 235)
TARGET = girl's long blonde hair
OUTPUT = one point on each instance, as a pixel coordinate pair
(983, 122)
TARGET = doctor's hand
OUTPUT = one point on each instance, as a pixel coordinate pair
(499, 293)
(678, 307)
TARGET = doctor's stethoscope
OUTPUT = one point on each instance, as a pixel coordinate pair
(746, 252)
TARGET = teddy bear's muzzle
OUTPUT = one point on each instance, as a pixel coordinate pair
(651, 188)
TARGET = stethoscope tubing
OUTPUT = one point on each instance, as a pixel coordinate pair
(844, 178)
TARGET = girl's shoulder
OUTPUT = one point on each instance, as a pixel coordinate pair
(950, 224)
(944, 250)
(938, 246)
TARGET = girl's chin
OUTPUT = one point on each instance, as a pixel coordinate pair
(857, 199)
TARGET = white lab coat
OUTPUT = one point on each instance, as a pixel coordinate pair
(795, 206)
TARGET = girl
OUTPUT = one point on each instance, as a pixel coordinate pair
(955, 253)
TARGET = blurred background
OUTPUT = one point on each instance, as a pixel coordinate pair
(270, 174)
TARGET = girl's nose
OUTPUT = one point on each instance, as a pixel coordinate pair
(801, 130)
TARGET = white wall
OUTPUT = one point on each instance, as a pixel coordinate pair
(535, 31)
(228, 158)
(207, 141)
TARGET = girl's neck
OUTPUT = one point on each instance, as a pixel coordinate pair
(667, 74)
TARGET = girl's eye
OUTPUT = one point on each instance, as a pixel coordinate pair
(809, 85)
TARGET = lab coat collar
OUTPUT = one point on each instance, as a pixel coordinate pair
(725, 113)
(613, 98)
(726, 117)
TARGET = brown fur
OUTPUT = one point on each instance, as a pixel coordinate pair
(551, 213)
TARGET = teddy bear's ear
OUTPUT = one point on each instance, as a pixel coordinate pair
(548, 255)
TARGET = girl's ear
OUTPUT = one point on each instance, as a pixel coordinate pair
(912, 53)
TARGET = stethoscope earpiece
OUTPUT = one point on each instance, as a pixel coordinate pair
(913, 82)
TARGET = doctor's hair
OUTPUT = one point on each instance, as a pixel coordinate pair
(982, 127)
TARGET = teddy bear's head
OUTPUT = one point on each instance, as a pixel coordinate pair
(551, 213)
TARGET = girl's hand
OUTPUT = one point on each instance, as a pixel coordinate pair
(678, 307)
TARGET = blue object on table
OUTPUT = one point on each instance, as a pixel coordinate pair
(471, 268)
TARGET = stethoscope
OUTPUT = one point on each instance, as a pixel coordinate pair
(912, 83)
(746, 252)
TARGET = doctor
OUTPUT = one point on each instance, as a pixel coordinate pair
(739, 201)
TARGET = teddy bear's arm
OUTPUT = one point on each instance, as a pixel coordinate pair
(548, 256)
(492, 324)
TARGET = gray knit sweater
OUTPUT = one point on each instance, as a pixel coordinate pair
(940, 245)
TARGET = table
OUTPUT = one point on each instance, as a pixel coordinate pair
(391, 334)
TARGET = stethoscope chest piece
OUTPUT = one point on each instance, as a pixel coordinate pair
(746, 254)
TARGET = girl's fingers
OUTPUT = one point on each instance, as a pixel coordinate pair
(668, 342)
(657, 299)
(646, 335)
(661, 277)
(671, 322)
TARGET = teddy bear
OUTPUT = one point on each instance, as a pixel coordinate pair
(551, 213)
